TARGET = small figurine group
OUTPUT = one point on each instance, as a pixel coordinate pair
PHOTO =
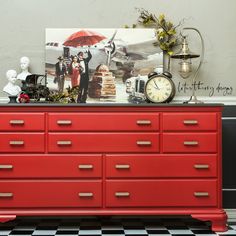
(12, 89)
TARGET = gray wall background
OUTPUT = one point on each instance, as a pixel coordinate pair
(23, 24)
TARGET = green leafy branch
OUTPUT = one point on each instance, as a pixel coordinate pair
(166, 33)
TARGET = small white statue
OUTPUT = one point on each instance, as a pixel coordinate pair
(24, 64)
(11, 88)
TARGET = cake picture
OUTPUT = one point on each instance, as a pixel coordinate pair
(102, 84)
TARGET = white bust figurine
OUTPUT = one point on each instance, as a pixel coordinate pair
(11, 88)
(24, 64)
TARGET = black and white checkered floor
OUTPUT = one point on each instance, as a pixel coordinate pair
(109, 226)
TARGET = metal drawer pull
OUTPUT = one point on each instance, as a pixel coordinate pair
(201, 194)
(16, 143)
(65, 143)
(201, 166)
(143, 122)
(6, 194)
(190, 143)
(85, 194)
(144, 143)
(190, 122)
(85, 167)
(17, 122)
(122, 194)
(122, 166)
(6, 167)
(64, 122)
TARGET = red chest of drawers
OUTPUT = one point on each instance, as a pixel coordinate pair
(111, 160)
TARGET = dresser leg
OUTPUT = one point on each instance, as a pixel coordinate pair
(5, 218)
(218, 220)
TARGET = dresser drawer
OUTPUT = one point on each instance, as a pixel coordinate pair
(50, 194)
(161, 193)
(103, 121)
(21, 142)
(190, 142)
(189, 121)
(22, 122)
(103, 142)
(51, 166)
(152, 166)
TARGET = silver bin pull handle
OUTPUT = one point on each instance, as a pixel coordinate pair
(16, 143)
(6, 167)
(16, 122)
(86, 194)
(6, 195)
(201, 194)
(190, 122)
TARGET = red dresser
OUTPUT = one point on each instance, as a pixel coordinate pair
(111, 160)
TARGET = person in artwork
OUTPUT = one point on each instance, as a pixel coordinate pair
(60, 73)
(24, 65)
(75, 70)
(11, 88)
(84, 76)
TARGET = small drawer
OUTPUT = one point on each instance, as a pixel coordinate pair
(22, 142)
(93, 121)
(22, 122)
(190, 142)
(51, 166)
(50, 194)
(154, 166)
(103, 142)
(189, 121)
(161, 193)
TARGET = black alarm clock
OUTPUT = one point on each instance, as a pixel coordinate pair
(159, 88)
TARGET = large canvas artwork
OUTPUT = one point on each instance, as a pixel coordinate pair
(104, 65)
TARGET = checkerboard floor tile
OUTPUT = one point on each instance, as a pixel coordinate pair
(107, 226)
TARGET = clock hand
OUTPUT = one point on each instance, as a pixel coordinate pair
(156, 85)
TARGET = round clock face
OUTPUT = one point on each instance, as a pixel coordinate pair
(159, 89)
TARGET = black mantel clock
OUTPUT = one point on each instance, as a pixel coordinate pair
(159, 88)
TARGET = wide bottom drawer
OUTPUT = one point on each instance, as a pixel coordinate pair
(50, 194)
(161, 193)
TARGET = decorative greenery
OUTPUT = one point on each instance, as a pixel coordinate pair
(166, 35)
(66, 97)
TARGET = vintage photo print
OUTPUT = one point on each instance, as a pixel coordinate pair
(105, 65)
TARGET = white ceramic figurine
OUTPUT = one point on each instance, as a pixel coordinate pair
(11, 88)
(24, 64)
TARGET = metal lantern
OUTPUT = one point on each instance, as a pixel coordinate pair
(185, 69)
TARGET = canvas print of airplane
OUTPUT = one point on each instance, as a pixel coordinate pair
(105, 65)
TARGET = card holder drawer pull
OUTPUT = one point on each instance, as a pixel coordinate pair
(64, 143)
(6, 195)
(64, 122)
(190, 122)
(144, 143)
(17, 122)
(85, 167)
(197, 166)
(143, 122)
(122, 167)
(122, 194)
(16, 143)
(85, 194)
(201, 194)
(6, 167)
(190, 143)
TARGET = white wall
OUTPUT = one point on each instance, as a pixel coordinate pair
(23, 24)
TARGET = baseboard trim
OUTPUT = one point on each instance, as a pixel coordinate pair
(231, 214)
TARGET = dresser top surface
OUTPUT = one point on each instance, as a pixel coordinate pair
(50, 107)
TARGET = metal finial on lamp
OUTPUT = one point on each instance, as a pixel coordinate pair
(185, 55)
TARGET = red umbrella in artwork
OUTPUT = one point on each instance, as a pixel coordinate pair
(83, 38)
